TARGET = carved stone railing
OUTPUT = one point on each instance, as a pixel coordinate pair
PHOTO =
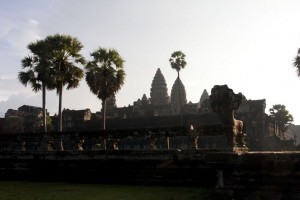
(140, 139)
(78, 141)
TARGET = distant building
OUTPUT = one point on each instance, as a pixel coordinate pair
(25, 119)
(2, 122)
(73, 119)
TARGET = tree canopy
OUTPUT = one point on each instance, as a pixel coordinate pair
(105, 74)
(177, 60)
(297, 62)
(280, 114)
(65, 58)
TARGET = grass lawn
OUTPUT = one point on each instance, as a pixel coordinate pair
(16, 190)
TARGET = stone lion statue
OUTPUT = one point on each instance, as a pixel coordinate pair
(224, 101)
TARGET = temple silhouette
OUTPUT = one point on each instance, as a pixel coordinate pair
(161, 110)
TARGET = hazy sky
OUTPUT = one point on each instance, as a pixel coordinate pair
(249, 45)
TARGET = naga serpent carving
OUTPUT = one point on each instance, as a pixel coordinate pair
(224, 101)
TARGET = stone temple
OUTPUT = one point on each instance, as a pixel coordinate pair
(160, 110)
(160, 103)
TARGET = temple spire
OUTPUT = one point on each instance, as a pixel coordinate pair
(203, 97)
(175, 95)
(159, 90)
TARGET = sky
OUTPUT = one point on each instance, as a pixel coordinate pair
(250, 45)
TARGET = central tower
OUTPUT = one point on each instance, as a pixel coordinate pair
(159, 90)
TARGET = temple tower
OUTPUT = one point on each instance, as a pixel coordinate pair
(175, 96)
(159, 90)
(203, 97)
(145, 100)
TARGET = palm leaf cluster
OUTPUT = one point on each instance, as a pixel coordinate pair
(297, 62)
(65, 58)
(37, 72)
(177, 61)
(105, 74)
(29, 76)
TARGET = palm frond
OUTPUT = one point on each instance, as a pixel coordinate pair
(297, 62)
(27, 62)
(64, 55)
(23, 78)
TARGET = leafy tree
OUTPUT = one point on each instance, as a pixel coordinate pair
(37, 72)
(64, 57)
(49, 123)
(297, 62)
(282, 116)
(105, 75)
(178, 62)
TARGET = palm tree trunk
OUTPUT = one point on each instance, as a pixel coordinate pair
(104, 114)
(59, 108)
(180, 108)
(104, 120)
(60, 116)
(44, 109)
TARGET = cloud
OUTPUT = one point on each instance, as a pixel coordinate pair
(29, 98)
(10, 85)
(15, 35)
(20, 35)
(15, 101)
(33, 22)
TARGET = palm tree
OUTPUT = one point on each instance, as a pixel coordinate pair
(64, 56)
(177, 62)
(297, 62)
(37, 73)
(105, 75)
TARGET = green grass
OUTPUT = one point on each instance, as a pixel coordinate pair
(12, 190)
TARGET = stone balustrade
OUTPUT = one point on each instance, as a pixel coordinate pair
(140, 139)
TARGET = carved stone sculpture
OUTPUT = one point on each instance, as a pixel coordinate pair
(115, 145)
(79, 145)
(224, 101)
